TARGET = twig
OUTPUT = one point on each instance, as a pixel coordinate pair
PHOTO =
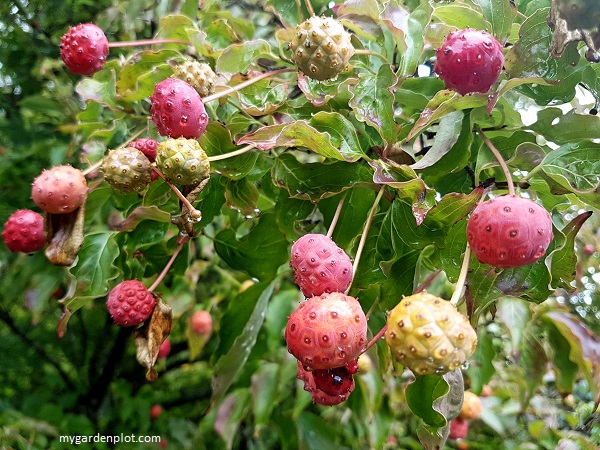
(231, 154)
(167, 267)
(376, 338)
(371, 53)
(251, 81)
(507, 174)
(336, 216)
(143, 42)
(427, 281)
(311, 11)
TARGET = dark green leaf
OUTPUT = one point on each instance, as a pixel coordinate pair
(422, 393)
(314, 433)
(500, 14)
(481, 369)
(341, 133)
(138, 77)
(242, 196)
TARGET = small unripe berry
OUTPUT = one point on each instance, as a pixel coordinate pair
(471, 407)
(459, 429)
(155, 412)
(201, 323)
(24, 231)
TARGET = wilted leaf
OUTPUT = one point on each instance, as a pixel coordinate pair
(65, 236)
(151, 335)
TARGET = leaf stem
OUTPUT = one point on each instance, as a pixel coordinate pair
(363, 238)
(336, 216)
(507, 174)
(144, 42)
(460, 283)
(231, 154)
(193, 211)
(371, 53)
(167, 267)
(246, 83)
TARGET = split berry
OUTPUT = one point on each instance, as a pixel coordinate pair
(84, 49)
(469, 61)
(24, 231)
(320, 266)
(130, 303)
(509, 231)
(337, 381)
(177, 109)
(59, 190)
(318, 396)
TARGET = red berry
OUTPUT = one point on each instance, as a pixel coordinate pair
(509, 231)
(589, 249)
(336, 381)
(24, 231)
(320, 266)
(155, 411)
(201, 323)
(59, 190)
(459, 429)
(318, 396)
(165, 349)
(327, 331)
(147, 146)
(469, 61)
(84, 49)
(130, 303)
(177, 109)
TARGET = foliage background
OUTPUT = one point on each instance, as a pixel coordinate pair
(89, 382)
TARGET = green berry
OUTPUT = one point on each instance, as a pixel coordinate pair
(127, 169)
(182, 161)
(198, 75)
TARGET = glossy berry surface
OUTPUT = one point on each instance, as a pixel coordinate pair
(469, 61)
(24, 231)
(337, 381)
(130, 303)
(59, 190)
(84, 48)
(147, 146)
(177, 109)
(318, 396)
(320, 266)
(509, 231)
(327, 331)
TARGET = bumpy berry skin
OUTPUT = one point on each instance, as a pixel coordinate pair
(24, 231)
(84, 49)
(147, 146)
(469, 61)
(177, 109)
(201, 323)
(127, 170)
(182, 161)
(459, 429)
(336, 381)
(327, 331)
(130, 303)
(471, 407)
(318, 396)
(428, 335)
(198, 75)
(321, 48)
(509, 231)
(59, 190)
(320, 266)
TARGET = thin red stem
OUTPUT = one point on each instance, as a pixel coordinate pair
(376, 338)
(144, 42)
(184, 200)
(505, 169)
(336, 216)
(167, 267)
(237, 87)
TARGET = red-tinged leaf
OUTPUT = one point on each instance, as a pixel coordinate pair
(585, 347)
(137, 215)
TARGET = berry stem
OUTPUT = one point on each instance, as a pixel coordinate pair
(91, 168)
(185, 201)
(371, 53)
(167, 267)
(376, 338)
(311, 10)
(509, 180)
(144, 42)
(462, 277)
(363, 238)
(336, 216)
(231, 154)
(427, 281)
(246, 83)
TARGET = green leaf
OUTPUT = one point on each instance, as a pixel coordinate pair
(533, 361)
(422, 393)
(481, 369)
(461, 16)
(515, 314)
(314, 433)
(230, 415)
(447, 135)
(261, 98)
(566, 370)
(238, 57)
(242, 196)
(562, 128)
(314, 181)
(402, 178)
(230, 364)
(143, 70)
(100, 89)
(417, 24)
(452, 254)
(259, 253)
(372, 102)
(342, 133)
(263, 391)
(500, 15)
(290, 213)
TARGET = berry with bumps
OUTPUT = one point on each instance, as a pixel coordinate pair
(198, 75)
(509, 231)
(471, 407)
(321, 48)
(320, 266)
(429, 335)
(327, 331)
(469, 61)
(59, 190)
(459, 429)
(182, 161)
(130, 303)
(337, 381)
(147, 146)
(84, 49)
(318, 396)
(24, 231)
(177, 109)
(201, 323)
(127, 170)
